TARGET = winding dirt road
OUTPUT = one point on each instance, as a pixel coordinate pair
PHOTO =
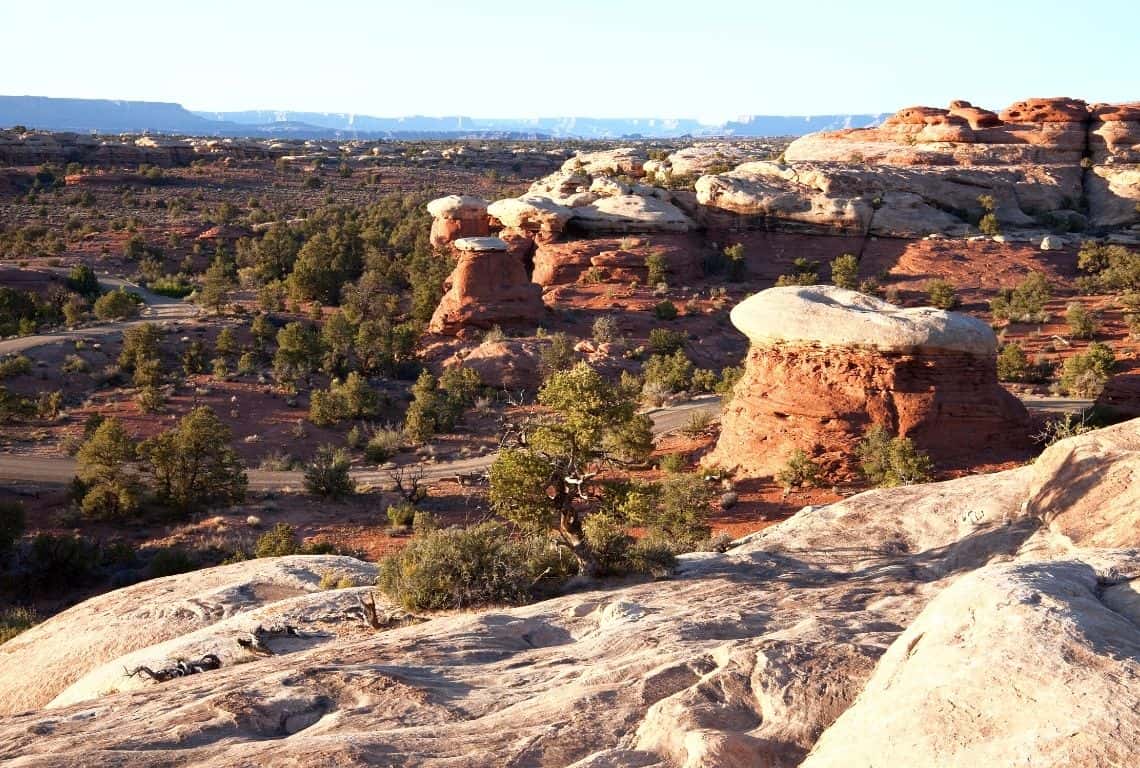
(41, 470)
(155, 309)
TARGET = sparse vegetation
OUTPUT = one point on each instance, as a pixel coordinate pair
(942, 294)
(886, 460)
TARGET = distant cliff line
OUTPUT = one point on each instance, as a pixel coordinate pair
(111, 116)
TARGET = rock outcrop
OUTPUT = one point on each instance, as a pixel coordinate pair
(826, 363)
(971, 622)
(489, 286)
(457, 216)
(99, 632)
(922, 170)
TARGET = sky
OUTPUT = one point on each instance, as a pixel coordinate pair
(707, 59)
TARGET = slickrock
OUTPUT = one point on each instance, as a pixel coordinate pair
(457, 216)
(489, 286)
(826, 363)
(39, 664)
(631, 214)
(952, 624)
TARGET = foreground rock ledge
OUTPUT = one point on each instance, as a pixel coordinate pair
(826, 363)
(992, 620)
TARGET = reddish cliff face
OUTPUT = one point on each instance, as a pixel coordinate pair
(822, 400)
(489, 286)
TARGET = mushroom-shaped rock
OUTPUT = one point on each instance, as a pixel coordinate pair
(826, 363)
(456, 216)
(489, 286)
(531, 213)
(631, 213)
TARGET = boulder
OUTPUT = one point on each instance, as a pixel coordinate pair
(531, 213)
(628, 214)
(511, 364)
(457, 216)
(1052, 243)
(488, 287)
(825, 364)
(625, 160)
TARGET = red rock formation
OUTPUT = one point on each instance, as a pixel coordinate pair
(488, 287)
(457, 216)
(1122, 395)
(825, 364)
(822, 400)
(1055, 110)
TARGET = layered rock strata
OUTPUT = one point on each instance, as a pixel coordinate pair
(826, 363)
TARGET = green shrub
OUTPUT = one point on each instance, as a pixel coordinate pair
(327, 475)
(610, 544)
(729, 375)
(12, 520)
(665, 310)
(1012, 364)
(1109, 267)
(15, 365)
(558, 355)
(464, 568)
(1024, 303)
(278, 542)
(605, 330)
(845, 271)
(942, 294)
(663, 341)
(657, 268)
(116, 305)
(804, 272)
(169, 561)
(672, 463)
(401, 515)
(889, 461)
(383, 444)
(674, 372)
(988, 224)
(697, 423)
(736, 264)
(1080, 321)
(1085, 375)
(703, 381)
(799, 472)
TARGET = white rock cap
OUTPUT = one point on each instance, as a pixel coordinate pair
(454, 206)
(836, 317)
(481, 244)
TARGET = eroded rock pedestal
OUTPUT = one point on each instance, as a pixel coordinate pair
(457, 216)
(826, 363)
(489, 286)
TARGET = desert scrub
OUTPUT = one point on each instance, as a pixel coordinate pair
(15, 620)
(1085, 375)
(1026, 302)
(665, 310)
(672, 463)
(888, 461)
(605, 330)
(845, 271)
(1012, 364)
(663, 341)
(1082, 324)
(799, 472)
(457, 568)
(942, 294)
(657, 268)
(383, 444)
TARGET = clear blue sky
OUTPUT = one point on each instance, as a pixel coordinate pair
(711, 59)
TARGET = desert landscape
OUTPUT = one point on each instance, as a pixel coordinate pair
(331, 439)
